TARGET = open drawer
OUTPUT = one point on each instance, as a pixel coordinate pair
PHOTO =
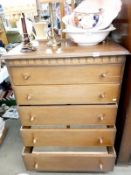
(77, 160)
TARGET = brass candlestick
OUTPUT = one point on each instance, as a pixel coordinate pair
(53, 42)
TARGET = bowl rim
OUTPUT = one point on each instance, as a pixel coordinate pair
(81, 31)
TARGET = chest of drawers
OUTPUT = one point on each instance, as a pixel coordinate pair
(67, 101)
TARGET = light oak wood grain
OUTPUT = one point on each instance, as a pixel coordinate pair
(67, 50)
(69, 86)
(71, 61)
(77, 162)
(67, 94)
(68, 137)
(68, 115)
(40, 75)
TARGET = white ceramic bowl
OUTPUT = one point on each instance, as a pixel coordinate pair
(109, 11)
(89, 37)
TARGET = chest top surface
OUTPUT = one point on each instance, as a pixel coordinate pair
(67, 50)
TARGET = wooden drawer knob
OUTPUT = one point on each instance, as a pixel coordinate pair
(100, 140)
(36, 165)
(32, 118)
(114, 99)
(102, 96)
(101, 117)
(34, 141)
(103, 75)
(26, 76)
(101, 166)
(29, 97)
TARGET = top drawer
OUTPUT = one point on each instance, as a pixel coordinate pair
(77, 74)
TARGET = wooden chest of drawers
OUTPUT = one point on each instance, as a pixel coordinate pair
(67, 101)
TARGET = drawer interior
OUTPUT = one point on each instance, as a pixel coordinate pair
(90, 150)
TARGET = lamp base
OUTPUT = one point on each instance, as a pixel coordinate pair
(28, 47)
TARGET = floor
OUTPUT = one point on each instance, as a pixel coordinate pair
(11, 161)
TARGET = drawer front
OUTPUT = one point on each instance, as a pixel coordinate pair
(68, 115)
(78, 162)
(67, 94)
(66, 74)
(68, 137)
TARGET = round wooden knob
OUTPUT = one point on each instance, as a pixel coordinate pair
(26, 76)
(103, 75)
(101, 117)
(34, 141)
(32, 118)
(28, 97)
(114, 99)
(101, 166)
(36, 165)
(102, 95)
(100, 140)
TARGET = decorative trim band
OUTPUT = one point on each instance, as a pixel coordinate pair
(66, 61)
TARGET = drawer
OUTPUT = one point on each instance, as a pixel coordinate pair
(69, 161)
(105, 73)
(68, 115)
(67, 94)
(68, 137)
